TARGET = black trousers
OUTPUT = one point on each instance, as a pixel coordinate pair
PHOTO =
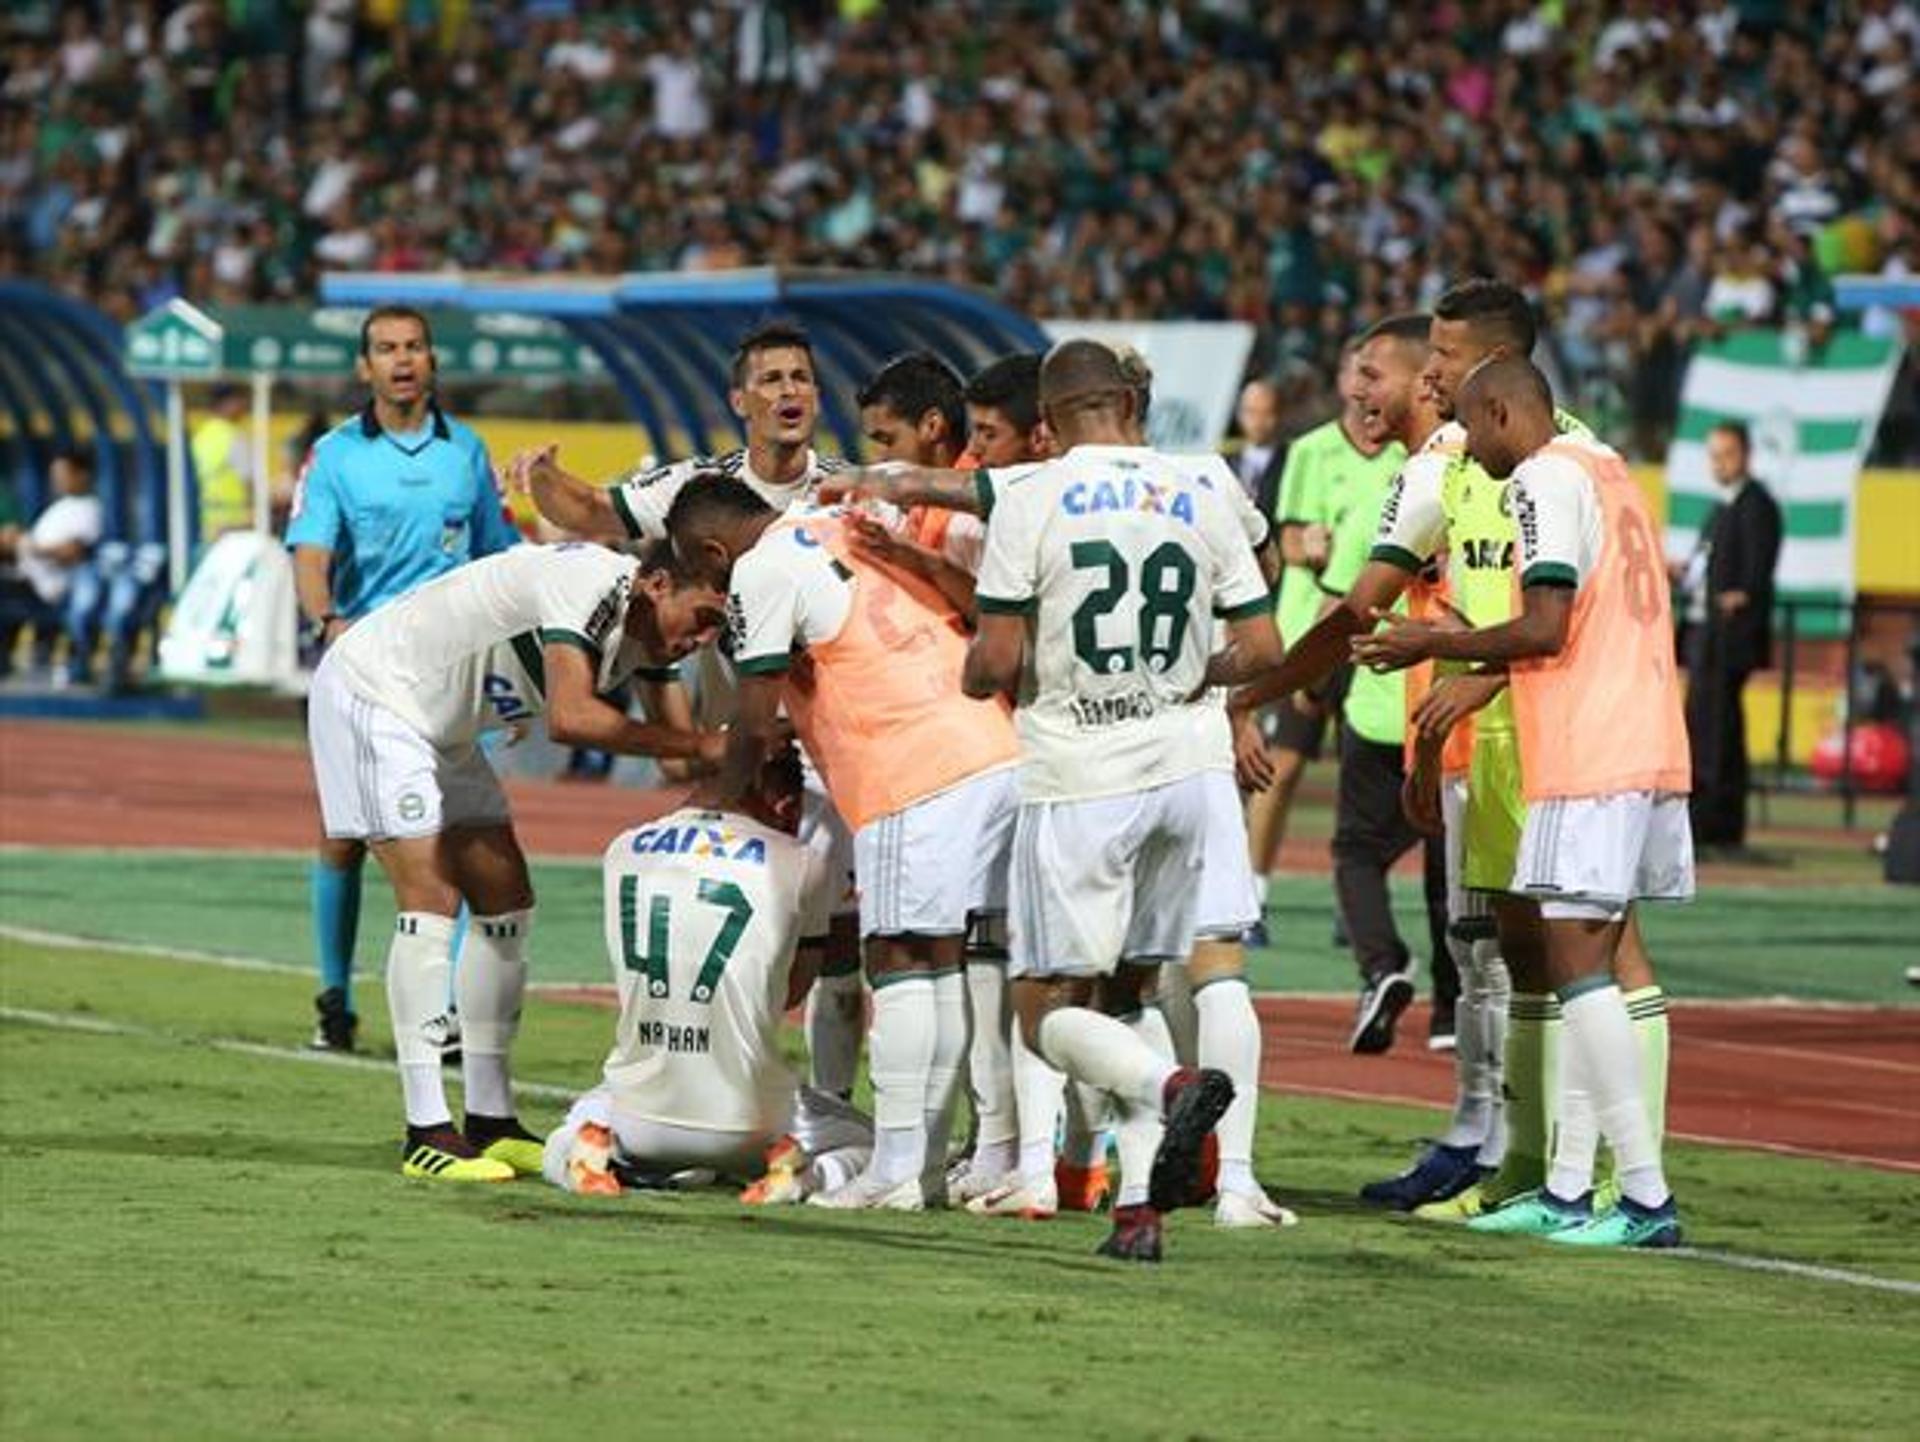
(1371, 833)
(1717, 732)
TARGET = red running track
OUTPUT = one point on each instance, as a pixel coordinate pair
(1834, 1082)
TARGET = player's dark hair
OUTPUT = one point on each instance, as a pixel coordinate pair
(392, 312)
(1727, 425)
(80, 457)
(710, 499)
(1497, 313)
(1511, 378)
(1081, 372)
(910, 385)
(1410, 328)
(768, 335)
(1010, 385)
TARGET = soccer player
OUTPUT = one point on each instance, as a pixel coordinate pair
(866, 661)
(1003, 413)
(395, 496)
(1394, 404)
(776, 395)
(913, 411)
(395, 717)
(1465, 512)
(703, 911)
(1103, 574)
(1606, 771)
(1322, 468)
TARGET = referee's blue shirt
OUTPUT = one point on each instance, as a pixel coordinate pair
(397, 510)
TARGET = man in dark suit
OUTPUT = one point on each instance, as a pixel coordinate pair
(1741, 538)
(1262, 454)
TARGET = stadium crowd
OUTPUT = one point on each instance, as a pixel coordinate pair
(1652, 171)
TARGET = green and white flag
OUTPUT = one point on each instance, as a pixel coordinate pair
(1813, 419)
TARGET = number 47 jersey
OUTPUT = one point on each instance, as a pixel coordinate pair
(1122, 559)
(703, 911)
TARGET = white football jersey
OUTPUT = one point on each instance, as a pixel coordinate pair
(703, 911)
(1215, 738)
(642, 500)
(426, 656)
(1123, 558)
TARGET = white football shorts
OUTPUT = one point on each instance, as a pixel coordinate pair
(381, 780)
(1112, 879)
(926, 868)
(1592, 856)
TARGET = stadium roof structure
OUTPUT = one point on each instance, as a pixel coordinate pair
(667, 339)
(62, 386)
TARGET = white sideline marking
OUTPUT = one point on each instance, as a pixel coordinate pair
(100, 1026)
(1809, 1270)
(226, 961)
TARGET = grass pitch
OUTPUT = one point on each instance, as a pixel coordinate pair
(202, 1240)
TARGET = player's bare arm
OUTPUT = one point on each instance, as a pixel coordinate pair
(994, 658)
(1453, 699)
(1305, 543)
(900, 553)
(1252, 649)
(1539, 630)
(564, 499)
(668, 704)
(1326, 645)
(756, 731)
(577, 716)
(905, 486)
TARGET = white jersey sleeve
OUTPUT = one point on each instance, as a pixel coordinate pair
(965, 542)
(1009, 575)
(786, 591)
(1239, 590)
(1559, 520)
(642, 498)
(702, 913)
(1217, 476)
(1413, 522)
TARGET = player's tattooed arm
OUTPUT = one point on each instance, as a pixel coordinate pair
(905, 486)
(1546, 612)
(995, 656)
(1252, 649)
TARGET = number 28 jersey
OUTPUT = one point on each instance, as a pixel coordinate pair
(1122, 558)
(703, 910)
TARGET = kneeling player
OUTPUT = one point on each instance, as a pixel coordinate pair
(703, 911)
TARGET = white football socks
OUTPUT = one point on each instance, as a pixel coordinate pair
(996, 1138)
(1604, 1057)
(1037, 1090)
(419, 959)
(901, 1048)
(943, 1069)
(490, 984)
(1230, 1042)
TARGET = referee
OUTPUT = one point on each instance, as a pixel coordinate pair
(392, 497)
